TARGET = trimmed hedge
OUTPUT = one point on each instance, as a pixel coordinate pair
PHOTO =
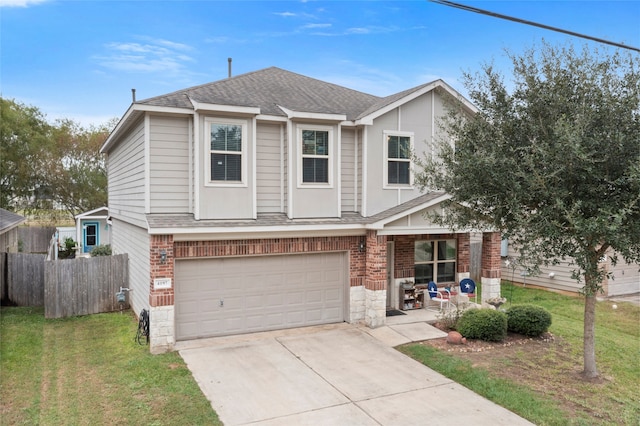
(530, 320)
(483, 324)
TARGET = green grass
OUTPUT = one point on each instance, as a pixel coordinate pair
(567, 400)
(89, 370)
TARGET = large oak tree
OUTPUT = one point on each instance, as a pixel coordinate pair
(552, 160)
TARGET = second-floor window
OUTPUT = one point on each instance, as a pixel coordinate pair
(226, 151)
(315, 156)
(398, 148)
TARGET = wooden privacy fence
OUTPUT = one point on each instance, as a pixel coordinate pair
(475, 261)
(84, 286)
(22, 279)
(35, 239)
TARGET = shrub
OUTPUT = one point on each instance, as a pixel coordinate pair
(101, 250)
(68, 249)
(483, 324)
(530, 320)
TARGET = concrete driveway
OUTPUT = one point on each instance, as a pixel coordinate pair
(330, 375)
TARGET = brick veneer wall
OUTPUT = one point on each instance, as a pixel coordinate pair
(160, 269)
(404, 251)
(376, 262)
(223, 248)
(491, 260)
(463, 262)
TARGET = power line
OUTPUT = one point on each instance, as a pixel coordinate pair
(535, 24)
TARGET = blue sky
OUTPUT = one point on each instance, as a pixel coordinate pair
(80, 59)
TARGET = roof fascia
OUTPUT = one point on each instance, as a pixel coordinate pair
(13, 225)
(236, 109)
(90, 212)
(312, 115)
(276, 118)
(368, 119)
(381, 223)
(276, 230)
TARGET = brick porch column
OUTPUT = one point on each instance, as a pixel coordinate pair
(161, 294)
(463, 262)
(375, 281)
(491, 259)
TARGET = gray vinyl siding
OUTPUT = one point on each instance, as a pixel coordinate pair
(125, 168)
(268, 175)
(222, 200)
(135, 241)
(348, 170)
(169, 165)
(414, 116)
(626, 278)
(310, 200)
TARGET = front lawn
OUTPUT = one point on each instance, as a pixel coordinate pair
(88, 370)
(540, 380)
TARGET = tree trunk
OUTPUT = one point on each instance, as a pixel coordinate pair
(590, 369)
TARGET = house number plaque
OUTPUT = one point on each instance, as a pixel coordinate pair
(161, 283)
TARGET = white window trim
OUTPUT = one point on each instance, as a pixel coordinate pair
(385, 160)
(330, 157)
(207, 151)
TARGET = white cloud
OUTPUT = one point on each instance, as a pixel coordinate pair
(20, 3)
(314, 26)
(156, 55)
(285, 14)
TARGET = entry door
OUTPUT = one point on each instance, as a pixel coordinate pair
(390, 257)
(90, 231)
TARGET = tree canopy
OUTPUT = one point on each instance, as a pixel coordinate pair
(550, 159)
(43, 163)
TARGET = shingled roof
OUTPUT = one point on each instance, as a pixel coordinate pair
(9, 220)
(269, 88)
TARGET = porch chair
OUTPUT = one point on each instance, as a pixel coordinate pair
(438, 296)
(468, 287)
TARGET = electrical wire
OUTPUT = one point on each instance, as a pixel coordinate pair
(143, 327)
(535, 24)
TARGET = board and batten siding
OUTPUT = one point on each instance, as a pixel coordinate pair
(135, 242)
(268, 167)
(125, 168)
(348, 170)
(169, 165)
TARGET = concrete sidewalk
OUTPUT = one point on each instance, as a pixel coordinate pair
(337, 374)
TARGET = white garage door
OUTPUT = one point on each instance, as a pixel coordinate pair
(215, 297)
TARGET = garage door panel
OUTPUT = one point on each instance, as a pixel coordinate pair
(259, 293)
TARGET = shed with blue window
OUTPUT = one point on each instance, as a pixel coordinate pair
(92, 229)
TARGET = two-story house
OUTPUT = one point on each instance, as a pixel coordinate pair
(272, 200)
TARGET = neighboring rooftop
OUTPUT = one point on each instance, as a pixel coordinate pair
(9, 220)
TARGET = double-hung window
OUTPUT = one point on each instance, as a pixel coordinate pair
(398, 148)
(316, 145)
(226, 152)
(435, 260)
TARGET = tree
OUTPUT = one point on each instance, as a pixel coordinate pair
(554, 163)
(77, 170)
(24, 134)
(60, 162)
